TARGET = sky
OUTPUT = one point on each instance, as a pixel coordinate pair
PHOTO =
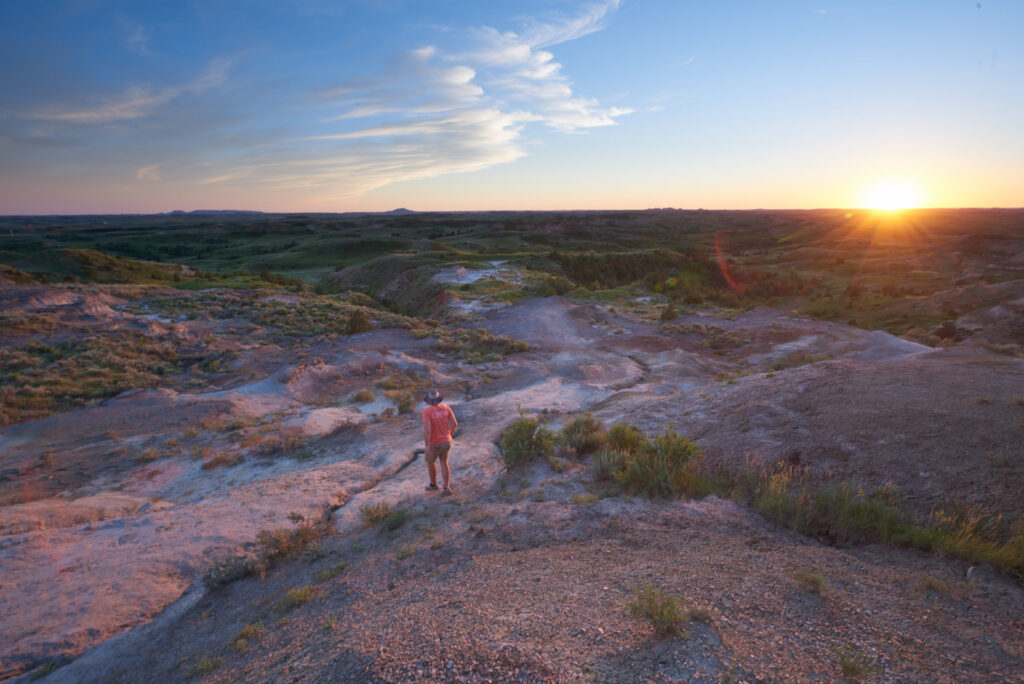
(113, 106)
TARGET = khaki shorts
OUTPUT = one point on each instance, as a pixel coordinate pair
(438, 451)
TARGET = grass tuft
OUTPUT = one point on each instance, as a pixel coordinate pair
(297, 597)
(333, 571)
(811, 581)
(274, 547)
(854, 664)
(665, 611)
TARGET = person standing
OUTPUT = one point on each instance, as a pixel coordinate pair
(438, 427)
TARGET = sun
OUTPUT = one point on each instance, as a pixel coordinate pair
(893, 194)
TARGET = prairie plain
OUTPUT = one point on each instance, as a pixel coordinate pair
(694, 446)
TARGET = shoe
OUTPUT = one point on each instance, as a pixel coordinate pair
(447, 491)
(431, 487)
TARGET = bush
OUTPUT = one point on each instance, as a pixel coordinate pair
(363, 396)
(669, 313)
(626, 438)
(584, 434)
(664, 610)
(358, 322)
(526, 440)
(668, 467)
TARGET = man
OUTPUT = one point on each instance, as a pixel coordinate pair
(438, 427)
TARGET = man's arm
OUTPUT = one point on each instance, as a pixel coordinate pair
(452, 423)
(426, 432)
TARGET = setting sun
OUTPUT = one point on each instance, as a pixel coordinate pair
(893, 194)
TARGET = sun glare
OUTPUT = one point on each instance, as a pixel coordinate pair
(893, 194)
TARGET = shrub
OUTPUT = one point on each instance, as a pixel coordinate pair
(584, 434)
(626, 438)
(669, 313)
(525, 440)
(363, 396)
(668, 467)
(358, 322)
(664, 610)
(607, 463)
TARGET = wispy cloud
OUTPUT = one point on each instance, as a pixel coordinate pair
(435, 113)
(149, 173)
(136, 37)
(134, 102)
(431, 111)
(592, 18)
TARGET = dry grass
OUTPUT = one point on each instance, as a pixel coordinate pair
(811, 581)
(297, 597)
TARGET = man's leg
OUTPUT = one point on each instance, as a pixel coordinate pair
(431, 468)
(445, 473)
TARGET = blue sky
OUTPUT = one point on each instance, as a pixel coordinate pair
(314, 105)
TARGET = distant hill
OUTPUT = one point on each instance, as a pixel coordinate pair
(401, 210)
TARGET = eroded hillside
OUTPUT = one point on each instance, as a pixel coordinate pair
(154, 432)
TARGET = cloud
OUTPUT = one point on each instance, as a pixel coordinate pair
(432, 112)
(136, 37)
(592, 18)
(429, 112)
(149, 174)
(135, 102)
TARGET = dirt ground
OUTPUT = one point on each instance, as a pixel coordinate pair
(520, 576)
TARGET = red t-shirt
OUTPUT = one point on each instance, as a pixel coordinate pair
(440, 420)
